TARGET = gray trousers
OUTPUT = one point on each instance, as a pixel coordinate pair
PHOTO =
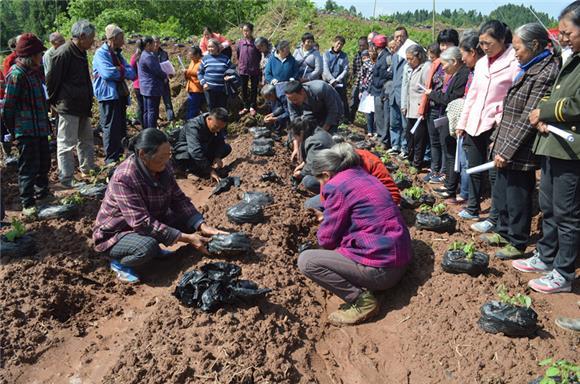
(344, 277)
(382, 117)
(74, 132)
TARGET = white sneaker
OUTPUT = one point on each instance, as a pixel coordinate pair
(484, 226)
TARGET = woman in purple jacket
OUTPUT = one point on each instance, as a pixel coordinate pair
(249, 68)
(152, 81)
(366, 243)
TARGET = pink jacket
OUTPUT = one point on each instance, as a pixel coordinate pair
(484, 102)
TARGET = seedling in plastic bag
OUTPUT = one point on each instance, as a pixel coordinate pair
(560, 372)
(439, 209)
(517, 300)
(424, 208)
(414, 192)
(18, 230)
(413, 171)
(469, 250)
(400, 175)
(457, 246)
(74, 199)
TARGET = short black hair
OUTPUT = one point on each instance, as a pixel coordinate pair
(307, 36)
(293, 87)
(434, 49)
(144, 41)
(195, 50)
(470, 43)
(207, 29)
(363, 38)
(220, 114)
(498, 30)
(339, 38)
(249, 25)
(572, 11)
(401, 28)
(304, 125)
(448, 36)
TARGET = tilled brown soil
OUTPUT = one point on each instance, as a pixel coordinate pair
(65, 319)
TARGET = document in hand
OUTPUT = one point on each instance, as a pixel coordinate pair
(167, 67)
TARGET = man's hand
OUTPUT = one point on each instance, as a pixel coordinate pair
(215, 176)
(205, 87)
(207, 230)
(218, 163)
(196, 240)
(270, 119)
(499, 161)
(275, 81)
(534, 117)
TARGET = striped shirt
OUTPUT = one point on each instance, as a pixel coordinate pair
(212, 71)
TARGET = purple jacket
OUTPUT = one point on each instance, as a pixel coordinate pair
(248, 58)
(365, 227)
(135, 202)
(151, 77)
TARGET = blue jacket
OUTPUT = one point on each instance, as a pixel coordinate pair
(335, 67)
(151, 77)
(281, 70)
(397, 67)
(212, 71)
(382, 74)
(106, 75)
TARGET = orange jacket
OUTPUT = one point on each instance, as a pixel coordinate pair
(373, 165)
(424, 106)
(193, 85)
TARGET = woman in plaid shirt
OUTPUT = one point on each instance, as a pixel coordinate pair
(144, 206)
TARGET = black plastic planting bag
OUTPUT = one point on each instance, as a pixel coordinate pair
(410, 203)
(262, 150)
(392, 167)
(511, 320)
(232, 244)
(270, 176)
(93, 190)
(260, 132)
(402, 182)
(21, 247)
(258, 198)
(456, 262)
(263, 141)
(366, 145)
(65, 211)
(245, 213)
(225, 184)
(435, 223)
(215, 284)
(355, 137)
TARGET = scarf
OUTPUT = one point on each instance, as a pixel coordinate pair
(529, 64)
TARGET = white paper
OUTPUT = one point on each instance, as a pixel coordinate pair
(45, 91)
(367, 103)
(421, 86)
(416, 125)
(167, 67)
(458, 151)
(560, 132)
(402, 52)
(181, 62)
(481, 168)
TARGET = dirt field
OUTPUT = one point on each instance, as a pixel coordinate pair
(65, 319)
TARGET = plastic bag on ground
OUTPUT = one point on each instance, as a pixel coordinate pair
(270, 176)
(511, 320)
(215, 284)
(435, 223)
(263, 141)
(65, 211)
(455, 262)
(92, 190)
(410, 203)
(355, 137)
(225, 184)
(21, 247)
(262, 150)
(260, 132)
(366, 145)
(402, 183)
(245, 213)
(259, 198)
(232, 244)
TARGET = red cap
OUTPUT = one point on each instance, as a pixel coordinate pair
(380, 41)
(28, 44)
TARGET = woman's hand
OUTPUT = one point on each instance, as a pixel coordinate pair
(499, 161)
(215, 176)
(218, 163)
(542, 127)
(534, 117)
(275, 81)
(196, 240)
(269, 119)
(460, 132)
(205, 87)
(428, 91)
(207, 230)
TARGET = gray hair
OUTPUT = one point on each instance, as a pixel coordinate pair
(530, 32)
(268, 89)
(260, 41)
(82, 28)
(282, 44)
(54, 37)
(451, 54)
(214, 42)
(417, 51)
(338, 158)
(26, 61)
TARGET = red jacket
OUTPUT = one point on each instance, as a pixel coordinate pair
(8, 63)
(373, 165)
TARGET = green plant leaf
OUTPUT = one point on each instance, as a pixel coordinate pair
(545, 362)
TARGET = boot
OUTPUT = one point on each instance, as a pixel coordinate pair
(365, 307)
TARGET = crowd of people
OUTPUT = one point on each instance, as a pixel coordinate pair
(467, 99)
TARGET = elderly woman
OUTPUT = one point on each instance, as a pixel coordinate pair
(512, 142)
(144, 206)
(152, 81)
(110, 70)
(282, 66)
(365, 243)
(557, 250)
(25, 113)
(212, 75)
(493, 77)
(411, 94)
(309, 59)
(453, 88)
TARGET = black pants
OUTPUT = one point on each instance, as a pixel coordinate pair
(560, 205)
(167, 102)
(512, 197)
(449, 146)
(477, 148)
(215, 99)
(250, 100)
(342, 92)
(33, 168)
(435, 141)
(417, 143)
(211, 153)
(140, 106)
(355, 101)
(113, 119)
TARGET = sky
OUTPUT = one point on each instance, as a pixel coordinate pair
(385, 7)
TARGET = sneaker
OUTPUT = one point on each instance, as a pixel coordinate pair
(392, 151)
(440, 189)
(45, 198)
(403, 155)
(365, 307)
(509, 252)
(437, 178)
(494, 239)
(465, 215)
(124, 273)
(532, 264)
(444, 194)
(30, 213)
(483, 226)
(428, 176)
(553, 282)
(568, 323)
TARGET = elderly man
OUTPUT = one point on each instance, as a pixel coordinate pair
(397, 122)
(71, 93)
(56, 40)
(279, 107)
(379, 87)
(110, 70)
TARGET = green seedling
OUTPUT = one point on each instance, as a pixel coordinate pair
(400, 175)
(74, 199)
(413, 193)
(564, 370)
(457, 246)
(469, 250)
(413, 171)
(517, 300)
(424, 208)
(439, 209)
(18, 230)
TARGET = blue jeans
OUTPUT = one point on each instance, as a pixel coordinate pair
(464, 187)
(370, 122)
(397, 128)
(113, 120)
(151, 113)
(194, 101)
(311, 183)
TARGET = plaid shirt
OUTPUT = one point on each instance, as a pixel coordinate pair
(357, 64)
(514, 137)
(365, 227)
(25, 110)
(135, 202)
(365, 75)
